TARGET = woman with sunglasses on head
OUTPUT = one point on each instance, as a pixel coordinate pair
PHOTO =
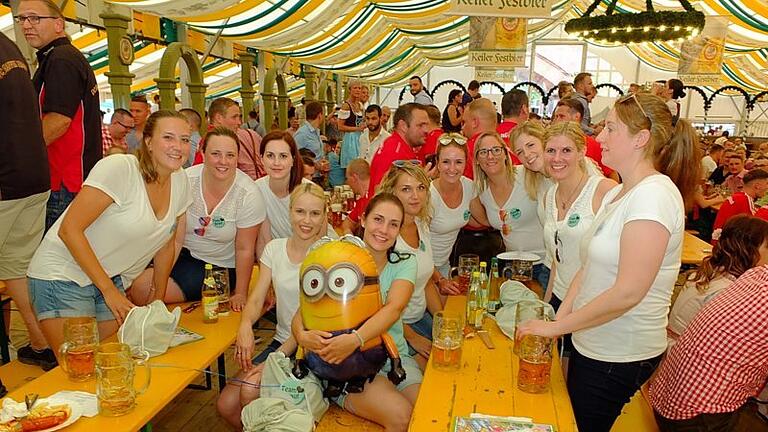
(279, 266)
(380, 401)
(220, 228)
(451, 195)
(285, 171)
(408, 181)
(616, 307)
(124, 217)
(506, 197)
(743, 244)
(569, 206)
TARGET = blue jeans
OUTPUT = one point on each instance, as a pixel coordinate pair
(57, 203)
(541, 274)
(599, 389)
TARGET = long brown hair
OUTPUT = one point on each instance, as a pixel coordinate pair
(146, 165)
(392, 255)
(297, 170)
(674, 150)
(737, 251)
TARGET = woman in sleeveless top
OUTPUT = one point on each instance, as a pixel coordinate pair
(352, 124)
(452, 113)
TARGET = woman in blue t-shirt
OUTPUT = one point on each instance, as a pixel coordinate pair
(380, 401)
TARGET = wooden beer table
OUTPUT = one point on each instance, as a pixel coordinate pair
(694, 249)
(167, 382)
(487, 384)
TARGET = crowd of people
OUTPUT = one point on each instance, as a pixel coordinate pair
(98, 218)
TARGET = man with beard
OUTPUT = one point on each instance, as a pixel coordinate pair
(371, 140)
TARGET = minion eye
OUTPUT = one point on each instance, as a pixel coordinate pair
(312, 282)
(343, 281)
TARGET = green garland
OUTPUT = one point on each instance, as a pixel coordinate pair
(638, 27)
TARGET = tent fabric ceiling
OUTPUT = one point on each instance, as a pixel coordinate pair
(387, 41)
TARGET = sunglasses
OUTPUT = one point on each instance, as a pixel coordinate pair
(204, 222)
(406, 162)
(123, 125)
(633, 96)
(558, 245)
(450, 138)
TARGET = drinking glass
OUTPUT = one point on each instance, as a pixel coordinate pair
(447, 340)
(221, 276)
(81, 337)
(467, 264)
(535, 364)
(527, 310)
(115, 370)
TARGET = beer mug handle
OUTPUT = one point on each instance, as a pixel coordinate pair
(450, 272)
(145, 363)
(63, 350)
(506, 270)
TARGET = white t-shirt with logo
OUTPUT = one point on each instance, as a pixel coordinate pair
(241, 207)
(640, 333)
(425, 267)
(285, 281)
(525, 233)
(446, 221)
(126, 236)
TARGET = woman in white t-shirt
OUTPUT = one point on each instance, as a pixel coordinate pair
(125, 215)
(451, 195)
(743, 244)
(617, 304)
(280, 264)
(220, 227)
(507, 203)
(569, 206)
(408, 182)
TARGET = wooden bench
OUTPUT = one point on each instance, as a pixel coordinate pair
(637, 415)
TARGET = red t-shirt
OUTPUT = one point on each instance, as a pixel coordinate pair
(360, 205)
(595, 152)
(762, 213)
(430, 145)
(469, 169)
(505, 130)
(736, 204)
(392, 149)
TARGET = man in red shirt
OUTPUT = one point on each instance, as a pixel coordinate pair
(430, 143)
(570, 109)
(515, 109)
(742, 202)
(719, 362)
(411, 125)
(479, 117)
(359, 179)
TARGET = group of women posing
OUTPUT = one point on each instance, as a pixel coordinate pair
(612, 293)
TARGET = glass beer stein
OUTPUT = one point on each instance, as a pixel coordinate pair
(467, 264)
(447, 339)
(76, 354)
(115, 372)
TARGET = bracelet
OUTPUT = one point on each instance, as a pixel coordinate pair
(360, 338)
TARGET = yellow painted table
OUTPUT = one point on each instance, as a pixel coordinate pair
(166, 383)
(694, 249)
(487, 384)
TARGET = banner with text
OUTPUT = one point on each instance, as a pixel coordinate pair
(497, 42)
(701, 58)
(502, 8)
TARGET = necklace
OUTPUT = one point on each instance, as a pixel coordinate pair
(563, 203)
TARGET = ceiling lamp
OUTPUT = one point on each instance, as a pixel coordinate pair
(648, 26)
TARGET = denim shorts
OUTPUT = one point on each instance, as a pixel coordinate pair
(413, 376)
(67, 299)
(422, 327)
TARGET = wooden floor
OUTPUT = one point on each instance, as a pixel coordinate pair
(195, 410)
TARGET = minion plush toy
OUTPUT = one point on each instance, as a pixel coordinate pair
(339, 292)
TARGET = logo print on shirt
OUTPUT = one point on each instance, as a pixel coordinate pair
(467, 213)
(218, 222)
(574, 220)
(515, 213)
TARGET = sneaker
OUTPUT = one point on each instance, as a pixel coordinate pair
(45, 358)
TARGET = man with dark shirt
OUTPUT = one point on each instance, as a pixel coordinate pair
(69, 105)
(24, 190)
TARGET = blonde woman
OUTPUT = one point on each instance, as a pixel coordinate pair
(569, 205)
(508, 203)
(125, 216)
(617, 304)
(352, 123)
(279, 267)
(409, 183)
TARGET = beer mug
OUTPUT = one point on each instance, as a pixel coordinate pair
(115, 371)
(76, 354)
(467, 264)
(526, 310)
(221, 276)
(535, 364)
(447, 339)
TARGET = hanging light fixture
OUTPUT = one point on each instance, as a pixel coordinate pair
(646, 26)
